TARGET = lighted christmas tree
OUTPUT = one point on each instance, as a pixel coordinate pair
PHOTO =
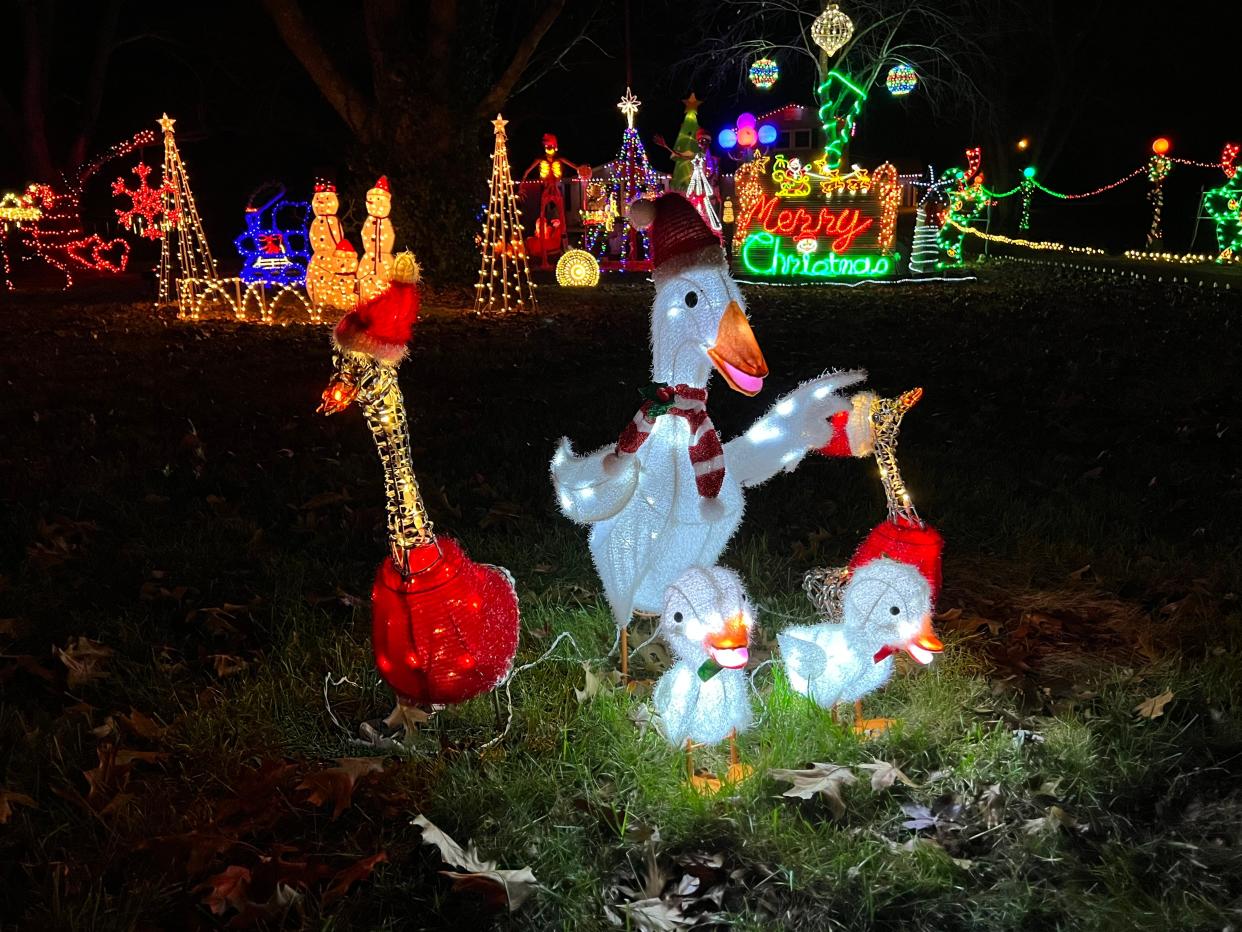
(630, 177)
(924, 252)
(504, 274)
(686, 145)
(192, 254)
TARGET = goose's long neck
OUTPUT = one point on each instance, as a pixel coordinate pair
(380, 398)
(681, 363)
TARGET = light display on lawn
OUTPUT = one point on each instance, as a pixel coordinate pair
(48, 221)
(630, 178)
(1224, 206)
(796, 224)
(331, 278)
(704, 698)
(1158, 167)
(145, 216)
(662, 499)
(924, 253)
(901, 80)
(577, 268)
(882, 602)
(764, 73)
(504, 276)
(186, 267)
(551, 232)
(968, 199)
(274, 246)
(444, 628)
(747, 134)
(700, 194)
(378, 239)
(832, 29)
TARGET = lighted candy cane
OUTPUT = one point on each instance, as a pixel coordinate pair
(1227, 157)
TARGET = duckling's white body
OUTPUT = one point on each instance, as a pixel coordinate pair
(823, 665)
(706, 622)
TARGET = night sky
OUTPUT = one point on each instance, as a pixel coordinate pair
(1091, 82)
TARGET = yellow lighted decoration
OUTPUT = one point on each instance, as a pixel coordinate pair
(16, 209)
(793, 179)
(504, 274)
(1029, 244)
(748, 185)
(629, 106)
(258, 301)
(886, 415)
(194, 266)
(857, 181)
(577, 268)
(378, 238)
(1180, 258)
(888, 187)
(832, 29)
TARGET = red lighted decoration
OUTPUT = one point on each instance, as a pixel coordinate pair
(444, 628)
(447, 632)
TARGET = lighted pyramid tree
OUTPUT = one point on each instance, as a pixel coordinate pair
(187, 263)
(924, 253)
(504, 274)
(630, 178)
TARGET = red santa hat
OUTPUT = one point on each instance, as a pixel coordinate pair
(903, 540)
(679, 236)
(345, 246)
(322, 186)
(382, 184)
(383, 327)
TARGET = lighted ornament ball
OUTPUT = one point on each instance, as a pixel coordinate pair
(901, 80)
(577, 268)
(748, 133)
(1028, 172)
(1161, 146)
(764, 73)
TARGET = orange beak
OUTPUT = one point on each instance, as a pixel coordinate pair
(925, 645)
(337, 396)
(736, 354)
(730, 647)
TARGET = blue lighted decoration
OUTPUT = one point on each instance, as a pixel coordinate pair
(727, 138)
(275, 246)
(767, 134)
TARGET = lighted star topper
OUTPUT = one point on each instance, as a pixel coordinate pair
(629, 106)
(166, 123)
(499, 125)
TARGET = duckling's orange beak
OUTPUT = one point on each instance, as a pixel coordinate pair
(730, 647)
(736, 354)
(924, 646)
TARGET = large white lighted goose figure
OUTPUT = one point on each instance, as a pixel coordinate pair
(668, 495)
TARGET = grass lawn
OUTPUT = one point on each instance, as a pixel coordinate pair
(170, 495)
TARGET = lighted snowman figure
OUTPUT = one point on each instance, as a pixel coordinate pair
(668, 494)
(325, 236)
(378, 238)
(343, 295)
(706, 622)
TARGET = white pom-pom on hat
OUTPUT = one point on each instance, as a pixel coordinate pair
(642, 213)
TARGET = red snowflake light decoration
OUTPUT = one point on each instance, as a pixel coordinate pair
(147, 204)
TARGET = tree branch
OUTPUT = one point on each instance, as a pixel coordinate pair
(96, 81)
(358, 112)
(500, 91)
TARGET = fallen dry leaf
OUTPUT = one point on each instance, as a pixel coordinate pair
(885, 774)
(226, 889)
(84, 659)
(409, 717)
(826, 779)
(8, 798)
(592, 686)
(227, 664)
(497, 886)
(1154, 707)
(336, 784)
(346, 878)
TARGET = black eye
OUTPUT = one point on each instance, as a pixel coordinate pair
(692, 298)
(677, 616)
(894, 610)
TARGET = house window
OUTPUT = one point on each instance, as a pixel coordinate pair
(783, 140)
(802, 139)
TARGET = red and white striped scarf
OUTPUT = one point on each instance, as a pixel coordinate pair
(706, 453)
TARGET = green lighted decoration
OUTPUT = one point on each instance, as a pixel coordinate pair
(771, 256)
(1224, 206)
(967, 200)
(841, 100)
(1028, 188)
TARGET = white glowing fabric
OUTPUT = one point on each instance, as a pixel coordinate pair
(835, 661)
(706, 620)
(648, 522)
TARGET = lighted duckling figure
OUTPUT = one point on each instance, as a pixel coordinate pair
(878, 605)
(886, 606)
(704, 698)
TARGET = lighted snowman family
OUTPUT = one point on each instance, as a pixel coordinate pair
(662, 503)
(336, 278)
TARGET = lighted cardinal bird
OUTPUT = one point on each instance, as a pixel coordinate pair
(444, 628)
(668, 494)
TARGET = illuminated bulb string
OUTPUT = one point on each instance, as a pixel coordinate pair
(1029, 244)
(504, 274)
(181, 278)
